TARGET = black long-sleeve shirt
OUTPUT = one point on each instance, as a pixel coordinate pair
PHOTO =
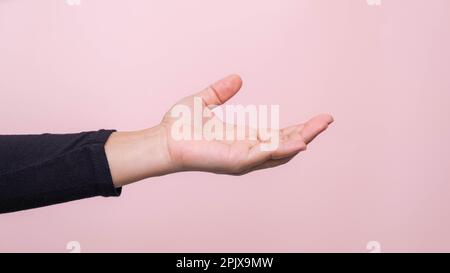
(41, 170)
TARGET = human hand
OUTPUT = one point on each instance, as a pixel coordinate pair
(133, 156)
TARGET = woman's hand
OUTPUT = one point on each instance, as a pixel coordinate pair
(133, 156)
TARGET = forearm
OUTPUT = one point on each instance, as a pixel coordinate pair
(41, 170)
(135, 155)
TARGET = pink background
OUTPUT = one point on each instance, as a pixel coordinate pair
(381, 172)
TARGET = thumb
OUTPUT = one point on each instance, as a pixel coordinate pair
(221, 91)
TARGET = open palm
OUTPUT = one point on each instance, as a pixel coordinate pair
(236, 156)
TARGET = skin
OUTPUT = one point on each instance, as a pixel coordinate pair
(136, 155)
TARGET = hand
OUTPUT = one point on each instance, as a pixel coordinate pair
(151, 152)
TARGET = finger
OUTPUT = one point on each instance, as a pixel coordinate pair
(285, 149)
(269, 164)
(273, 163)
(290, 129)
(288, 148)
(293, 140)
(221, 91)
(315, 126)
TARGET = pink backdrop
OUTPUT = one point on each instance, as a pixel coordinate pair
(381, 172)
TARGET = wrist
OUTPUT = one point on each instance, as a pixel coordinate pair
(136, 155)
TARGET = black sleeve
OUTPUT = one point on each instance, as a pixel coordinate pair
(41, 170)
